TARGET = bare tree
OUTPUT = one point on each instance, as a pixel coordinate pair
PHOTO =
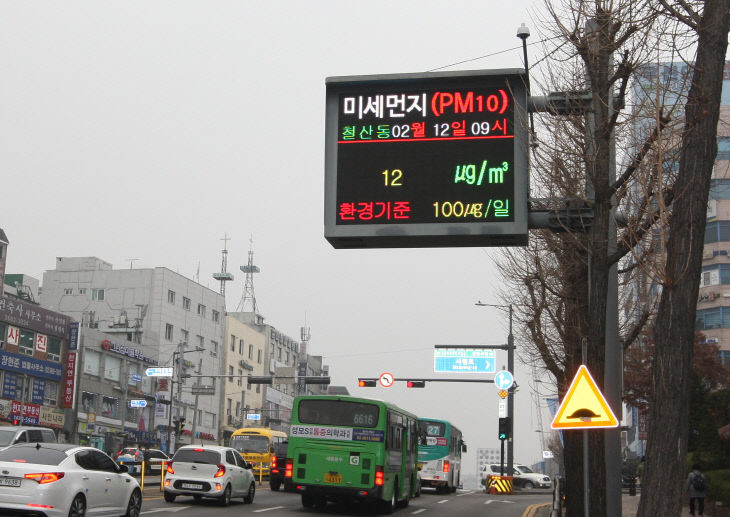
(675, 322)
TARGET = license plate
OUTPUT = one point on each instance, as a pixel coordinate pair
(10, 482)
(194, 486)
(333, 478)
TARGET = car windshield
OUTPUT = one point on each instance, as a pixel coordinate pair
(250, 443)
(524, 470)
(6, 437)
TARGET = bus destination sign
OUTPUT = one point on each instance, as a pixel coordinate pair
(426, 160)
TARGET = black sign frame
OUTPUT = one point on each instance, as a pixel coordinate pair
(450, 233)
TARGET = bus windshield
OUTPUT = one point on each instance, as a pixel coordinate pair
(338, 412)
(436, 429)
(250, 443)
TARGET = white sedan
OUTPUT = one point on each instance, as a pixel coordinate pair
(209, 471)
(62, 480)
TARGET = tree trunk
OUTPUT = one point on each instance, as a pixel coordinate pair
(664, 471)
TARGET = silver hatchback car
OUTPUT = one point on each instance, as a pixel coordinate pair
(209, 471)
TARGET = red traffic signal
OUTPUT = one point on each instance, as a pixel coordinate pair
(16, 421)
(366, 383)
(416, 384)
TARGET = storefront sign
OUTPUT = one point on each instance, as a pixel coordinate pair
(41, 342)
(111, 346)
(38, 391)
(33, 317)
(73, 336)
(69, 377)
(30, 366)
(10, 385)
(31, 412)
(52, 417)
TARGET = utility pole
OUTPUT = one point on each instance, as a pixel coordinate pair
(195, 411)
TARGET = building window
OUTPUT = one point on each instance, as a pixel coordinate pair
(50, 393)
(258, 388)
(287, 357)
(250, 351)
(82, 290)
(68, 291)
(97, 295)
(259, 358)
(184, 335)
(54, 348)
(229, 402)
(110, 407)
(233, 343)
(168, 332)
(201, 310)
(230, 372)
(170, 296)
(132, 370)
(240, 346)
(278, 353)
(240, 376)
(214, 348)
(112, 368)
(88, 402)
(216, 316)
(201, 342)
(91, 362)
(186, 303)
(26, 342)
(3, 335)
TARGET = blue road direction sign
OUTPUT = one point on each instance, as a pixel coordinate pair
(503, 380)
(137, 403)
(136, 377)
(464, 360)
(159, 372)
(253, 416)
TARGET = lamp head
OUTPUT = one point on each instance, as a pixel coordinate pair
(523, 32)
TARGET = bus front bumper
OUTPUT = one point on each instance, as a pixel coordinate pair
(339, 493)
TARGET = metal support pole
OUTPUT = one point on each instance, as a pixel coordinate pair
(511, 396)
(243, 405)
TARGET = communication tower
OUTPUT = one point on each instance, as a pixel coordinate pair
(249, 297)
(224, 276)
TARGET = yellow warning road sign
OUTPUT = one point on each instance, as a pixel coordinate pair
(584, 406)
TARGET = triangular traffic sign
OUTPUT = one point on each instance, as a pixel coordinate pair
(584, 406)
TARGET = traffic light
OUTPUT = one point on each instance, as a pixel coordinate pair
(180, 425)
(504, 428)
(262, 379)
(366, 383)
(16, 421)
(416, 384)
(316, 379)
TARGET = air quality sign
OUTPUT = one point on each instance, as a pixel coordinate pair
(423, 160)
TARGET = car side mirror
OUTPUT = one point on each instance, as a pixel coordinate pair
(249, 466)
(123, 469)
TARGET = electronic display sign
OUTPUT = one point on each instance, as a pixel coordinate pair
(426, 160)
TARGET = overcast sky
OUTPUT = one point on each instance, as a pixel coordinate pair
(148, 130)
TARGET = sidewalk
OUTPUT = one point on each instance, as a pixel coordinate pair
(629, 506)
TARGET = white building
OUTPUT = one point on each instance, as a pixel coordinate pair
(164, 313)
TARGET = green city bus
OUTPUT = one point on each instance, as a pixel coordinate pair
(439, 455)
(345, 448)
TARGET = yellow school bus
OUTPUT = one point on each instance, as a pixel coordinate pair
(256, 445)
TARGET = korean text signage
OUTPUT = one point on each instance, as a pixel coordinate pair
(338, 433)
(69, 377)
(111, 346)
(31, 412)
(33, 317)
(464, 360)
(30, 366)
(426, 160)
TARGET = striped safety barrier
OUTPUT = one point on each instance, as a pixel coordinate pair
(500, 484)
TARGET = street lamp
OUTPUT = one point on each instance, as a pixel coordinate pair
(511, 369)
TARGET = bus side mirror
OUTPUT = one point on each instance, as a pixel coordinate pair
(463, 447)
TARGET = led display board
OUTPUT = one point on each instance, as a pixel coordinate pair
(426, 160)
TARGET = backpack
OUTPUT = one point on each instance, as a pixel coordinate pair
(698, 482)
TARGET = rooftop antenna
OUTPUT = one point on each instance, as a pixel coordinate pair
(224, 276)
(131, 261)
(249, 297)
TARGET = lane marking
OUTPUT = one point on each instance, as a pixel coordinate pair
(267, 509)
(418, 511)
(157, 510)
(466, 493)
(442, 501)
(490, 501)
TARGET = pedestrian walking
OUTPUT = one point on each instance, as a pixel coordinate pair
(697, 488)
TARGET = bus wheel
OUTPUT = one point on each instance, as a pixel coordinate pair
(307, 501)
(387, 507)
